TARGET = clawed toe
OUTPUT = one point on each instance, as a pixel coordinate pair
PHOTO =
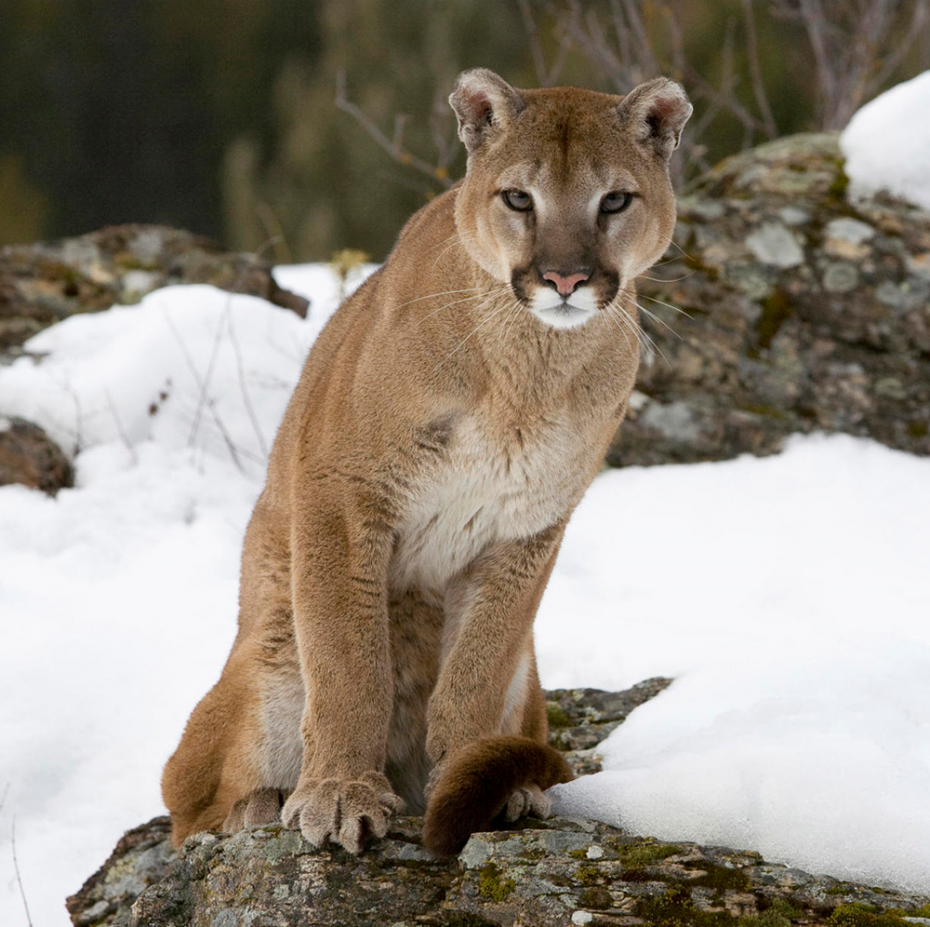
(343, 812)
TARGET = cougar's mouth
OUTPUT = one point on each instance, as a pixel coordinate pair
(563, 311)
(560, 311)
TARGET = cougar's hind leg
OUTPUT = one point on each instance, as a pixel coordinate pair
(416, 632)
(240, 754)
(205, 776)
(241, 750)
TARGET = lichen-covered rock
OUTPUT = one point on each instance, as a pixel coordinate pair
(43, 283)
(800, 311)
(142, 858)
(541, 874)
(29, 456)
(579, 719)
(547, 874)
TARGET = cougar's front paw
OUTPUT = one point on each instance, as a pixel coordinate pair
(345, 811)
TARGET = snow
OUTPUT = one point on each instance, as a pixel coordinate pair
(887, 140)
(787, 596)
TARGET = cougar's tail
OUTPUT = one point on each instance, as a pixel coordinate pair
(478, 782)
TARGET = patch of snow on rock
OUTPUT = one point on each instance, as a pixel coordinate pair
(886, 143)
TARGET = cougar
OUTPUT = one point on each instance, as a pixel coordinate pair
(448, 420)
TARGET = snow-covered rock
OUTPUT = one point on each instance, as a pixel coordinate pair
(887, 143)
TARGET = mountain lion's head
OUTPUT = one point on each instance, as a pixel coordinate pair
(567, 195)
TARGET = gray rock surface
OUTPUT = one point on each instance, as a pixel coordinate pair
(29, 456)
(801, 310)
(545, 873)
(43, 283)
(579, 719)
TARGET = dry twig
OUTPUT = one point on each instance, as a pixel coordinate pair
(394, 147)
(19, 879)
(857, 45)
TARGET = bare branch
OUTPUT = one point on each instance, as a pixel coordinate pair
(275, 231)
(395, 147)
(19, 879)
(243, 385)
(445, 142)
(848, 39)
(204, 401)
(133, 456)
(755, 72)
(532, 34)
(919, 23)
(545, 76)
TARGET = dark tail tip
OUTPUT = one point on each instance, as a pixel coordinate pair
(480, 778)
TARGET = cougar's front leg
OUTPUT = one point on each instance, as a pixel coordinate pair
(340, 554)
(490, 610)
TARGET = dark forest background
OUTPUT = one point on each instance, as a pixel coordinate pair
(300, 127)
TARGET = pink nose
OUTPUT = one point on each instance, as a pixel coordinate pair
(565, 285)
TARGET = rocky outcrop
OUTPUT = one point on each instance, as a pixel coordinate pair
(782, 307)
(551, 874)
(29, 456)
(800, 310)
(44, 283)
(545, 874)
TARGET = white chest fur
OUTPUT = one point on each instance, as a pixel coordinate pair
(487, 488)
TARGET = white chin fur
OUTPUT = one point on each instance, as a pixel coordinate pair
(551, 309)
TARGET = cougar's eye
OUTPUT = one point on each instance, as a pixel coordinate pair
(616, 201)
(518, 200)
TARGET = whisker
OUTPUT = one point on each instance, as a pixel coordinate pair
(514, 317)
(690, 273)
(454, 235)
(494, 291)
(656, 318)
(418, 299)
(618, 321)
(670, 242)
(653, 346)
(645, 340)
(687, 315)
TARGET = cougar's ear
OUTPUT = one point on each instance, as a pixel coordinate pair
(483, 102)
(657, 110)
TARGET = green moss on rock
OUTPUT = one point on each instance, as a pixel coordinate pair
(675, 908)
(639, 855)
(779, 914)
(840, 185)
(588, 874)
(595, 897)
(776, 309)
(719, 878)
(557, 715)
(493, 885)
(864, 915)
